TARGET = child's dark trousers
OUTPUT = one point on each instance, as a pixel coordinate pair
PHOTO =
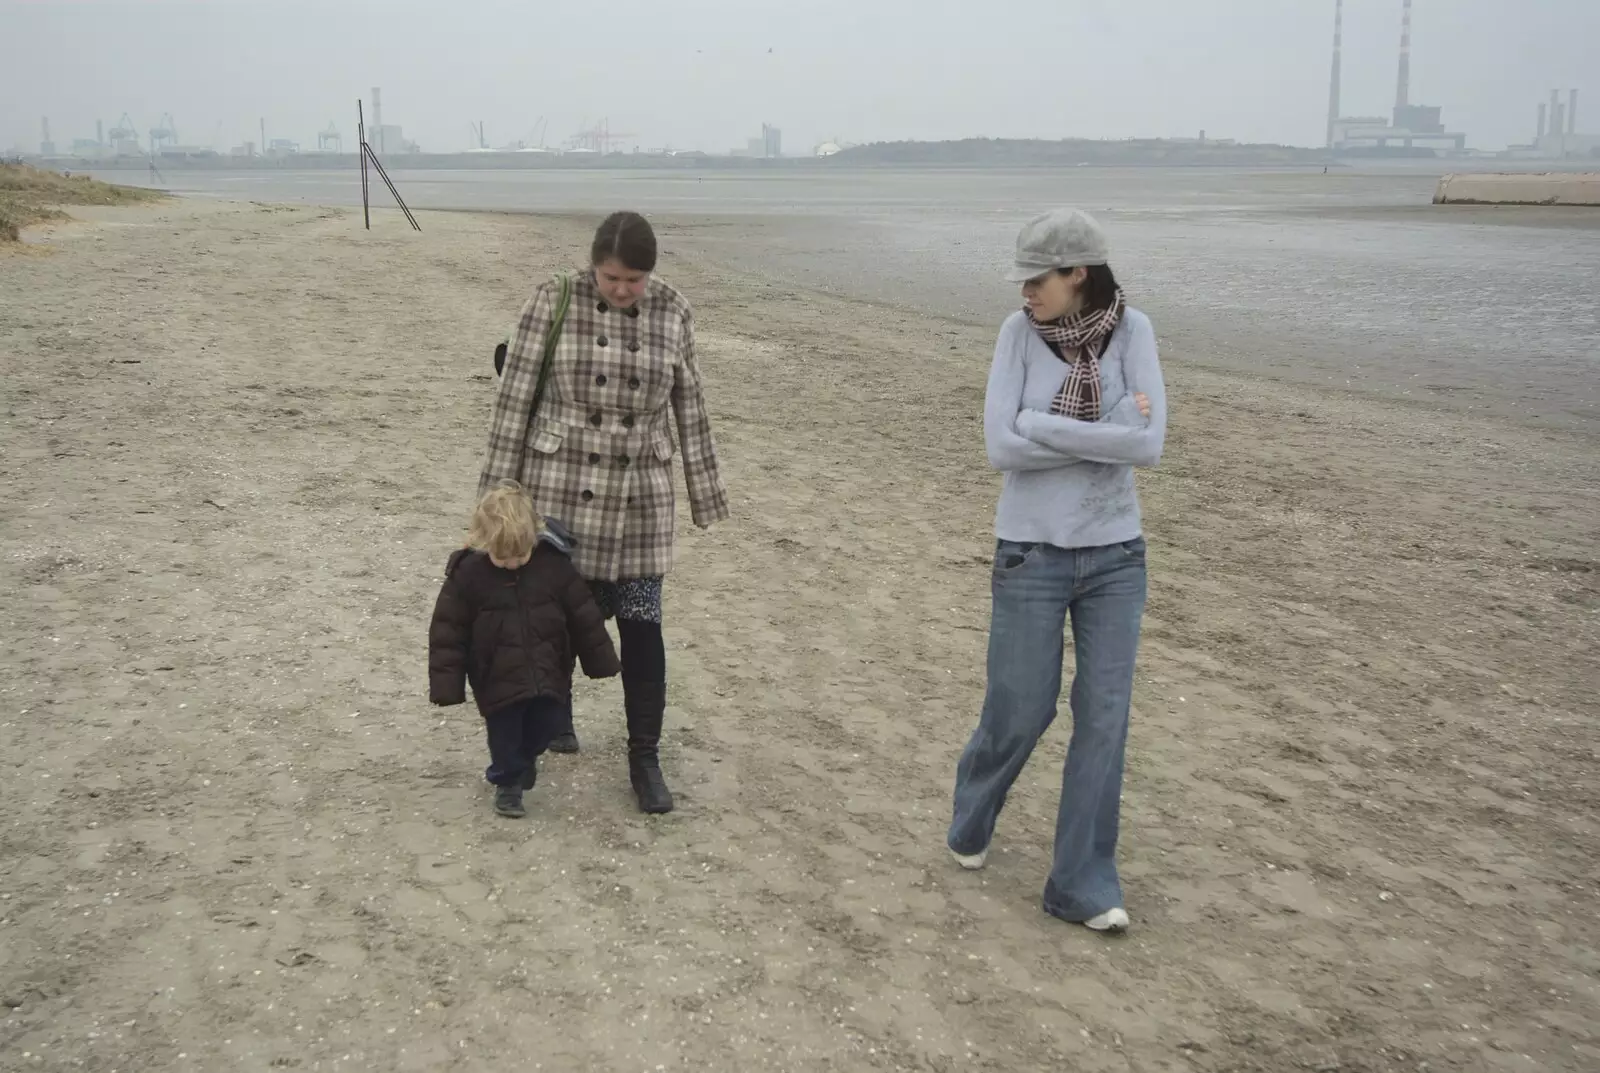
(519, 734)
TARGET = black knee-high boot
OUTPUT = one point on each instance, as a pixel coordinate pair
(646, 705)
(644, 691)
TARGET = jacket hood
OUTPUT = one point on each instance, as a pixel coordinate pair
(558, 537)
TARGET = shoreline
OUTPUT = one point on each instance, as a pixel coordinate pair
(1192, 340)
(1360, 811)
(1295, 159)
(1243, 275)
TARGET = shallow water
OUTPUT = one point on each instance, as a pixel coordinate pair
(1351, 278)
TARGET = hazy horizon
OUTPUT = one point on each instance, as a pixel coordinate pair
(705, 74)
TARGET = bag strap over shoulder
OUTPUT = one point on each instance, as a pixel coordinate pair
(564, 299)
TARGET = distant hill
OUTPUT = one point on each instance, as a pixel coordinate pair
(1073, 151)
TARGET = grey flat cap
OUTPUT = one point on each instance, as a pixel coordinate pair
(1061, 238)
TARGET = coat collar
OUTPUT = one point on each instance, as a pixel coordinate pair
(654, 293)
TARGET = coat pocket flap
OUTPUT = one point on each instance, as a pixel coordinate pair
(663, 448)
(547, 441)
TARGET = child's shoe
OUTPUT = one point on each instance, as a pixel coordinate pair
(508, 802)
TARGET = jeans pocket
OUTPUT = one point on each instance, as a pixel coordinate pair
(1010, 555)
(1133, 549)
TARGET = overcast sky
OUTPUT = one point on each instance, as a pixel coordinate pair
(706, 73)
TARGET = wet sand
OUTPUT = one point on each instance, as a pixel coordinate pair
(1349, 279)
(1361, 810)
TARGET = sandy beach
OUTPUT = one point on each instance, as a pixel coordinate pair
(1362, 812)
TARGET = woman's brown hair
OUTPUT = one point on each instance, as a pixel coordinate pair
(626, 237)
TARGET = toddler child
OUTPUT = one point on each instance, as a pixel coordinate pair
(511, 619)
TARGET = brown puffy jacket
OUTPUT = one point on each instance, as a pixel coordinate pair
(513, 634)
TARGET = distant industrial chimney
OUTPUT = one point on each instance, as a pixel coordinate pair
(1572, 111)
(1402, 90)
(1333, 77)
(1558, 124)
(1537, 138)
(99, 132)
(377, 116)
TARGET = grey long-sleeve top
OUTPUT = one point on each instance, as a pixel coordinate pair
(1067, 482)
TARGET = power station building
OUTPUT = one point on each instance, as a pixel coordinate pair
(1411, 127)
(1556, 136)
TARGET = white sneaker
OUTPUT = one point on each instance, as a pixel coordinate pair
(971, 861)
(1111, 922)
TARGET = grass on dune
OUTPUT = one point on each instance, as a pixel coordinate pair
(30, 195)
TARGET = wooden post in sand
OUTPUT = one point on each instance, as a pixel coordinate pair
(368, 156)
(361, 152)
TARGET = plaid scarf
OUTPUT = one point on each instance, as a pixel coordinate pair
(1088, 334)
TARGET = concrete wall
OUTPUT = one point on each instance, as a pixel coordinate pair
(1578, 188)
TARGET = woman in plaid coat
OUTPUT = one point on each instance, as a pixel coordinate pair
(597, 454)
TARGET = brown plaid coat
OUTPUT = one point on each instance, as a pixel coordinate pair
(598, 455)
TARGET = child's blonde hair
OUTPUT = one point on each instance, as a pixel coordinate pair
(504, 523)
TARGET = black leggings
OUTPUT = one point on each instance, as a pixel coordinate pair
(644, 657)
(644, 654)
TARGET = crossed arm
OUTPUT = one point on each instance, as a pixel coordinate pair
(1130, 433)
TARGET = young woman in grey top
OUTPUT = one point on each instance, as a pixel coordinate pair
(1075, 402)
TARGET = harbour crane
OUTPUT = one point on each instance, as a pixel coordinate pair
(165, 131)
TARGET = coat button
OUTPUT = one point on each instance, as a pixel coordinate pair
(623, 460)
(633, 347)
(602, 341)
(597, 419)
(594, 460)
(633, 311)
(601, 379)
(633, 382)
(602, 307)
(627, 422)
(587, 495)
